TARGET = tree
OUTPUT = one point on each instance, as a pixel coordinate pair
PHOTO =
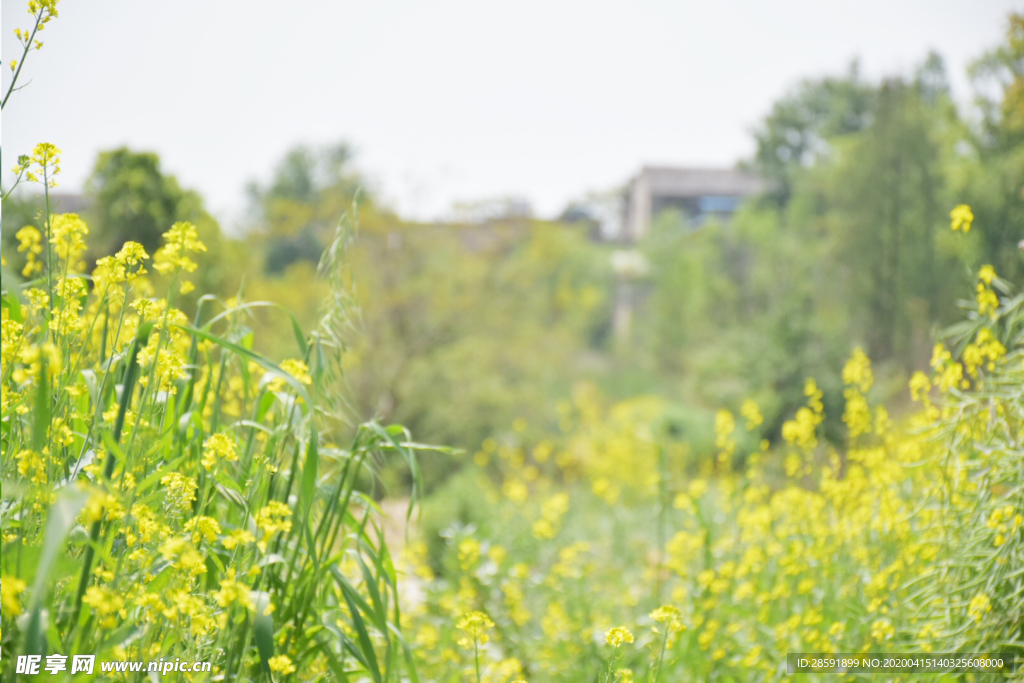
(991, 179)
(796, 133)
(133, 199)
(888, 197)
(297, 211)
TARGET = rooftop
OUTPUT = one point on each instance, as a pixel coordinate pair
(695, 182)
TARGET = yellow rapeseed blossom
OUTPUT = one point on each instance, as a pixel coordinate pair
(105, 603)
(30, 243)
(218, 447)
(11, 588)
(961, 218)
(670, 617)
(67, 233)
(752, 413)
(857, 371)
(281, 664)
(297, 369)
(124, 266)
(476, 626)
(274, 517)
(920, 385)
(882, 629)
(469, 553)
(180, 241)
(617, 636)
(236, 537)
(234, 592)
(180, 490)
(203, 527)
(988, 300)
(46, 161)
(294, 367)
(979, 607)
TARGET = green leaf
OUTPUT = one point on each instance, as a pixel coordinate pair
(310, 470)
(250, 355)
(13, 305)
(263, 629)
(60, 520)
(357, 607)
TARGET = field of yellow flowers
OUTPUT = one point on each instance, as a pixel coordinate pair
(602, 559)
(166, 491)
(170, 494)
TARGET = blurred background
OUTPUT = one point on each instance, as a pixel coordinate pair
(696, 203)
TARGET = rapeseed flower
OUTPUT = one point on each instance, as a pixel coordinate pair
(961, 218)
(281, 664)
(476, 626)
(617, 636)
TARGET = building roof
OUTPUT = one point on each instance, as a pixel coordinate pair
(695, 182)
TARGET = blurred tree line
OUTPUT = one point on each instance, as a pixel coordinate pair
(466, 327)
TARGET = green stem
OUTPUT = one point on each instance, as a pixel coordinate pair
(476, 656)
(661, 657)
(131, 376)
(24, 54)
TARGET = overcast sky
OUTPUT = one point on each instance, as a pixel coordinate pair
(450, 100)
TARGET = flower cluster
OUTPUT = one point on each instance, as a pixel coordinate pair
(162, 449)
(814, 544)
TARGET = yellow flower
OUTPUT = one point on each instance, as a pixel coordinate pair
(181, 490)
(752, 413)
(124, 266)
(203, 527)
(668, 615)
(105, 603)
(274, 517)
(234, 592)
(237, 536)
(961, 218)
(10, 588)
(282, 664)
(979, 607)
(857, 414)
(30, 242)
(882, 629)
(617, 636)
(857, 371)
(294, 367)
(67, 232)
(218, 447)
(469, 553)
(47, 158)
(180, 241)
(475, 625)
(920, 385)
(988, 300)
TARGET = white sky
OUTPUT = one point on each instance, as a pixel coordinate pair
(450, 100)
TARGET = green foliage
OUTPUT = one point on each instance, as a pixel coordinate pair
(168, 491)
(134, 200)
(297, 209)
(796, 134)
(990, 177)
